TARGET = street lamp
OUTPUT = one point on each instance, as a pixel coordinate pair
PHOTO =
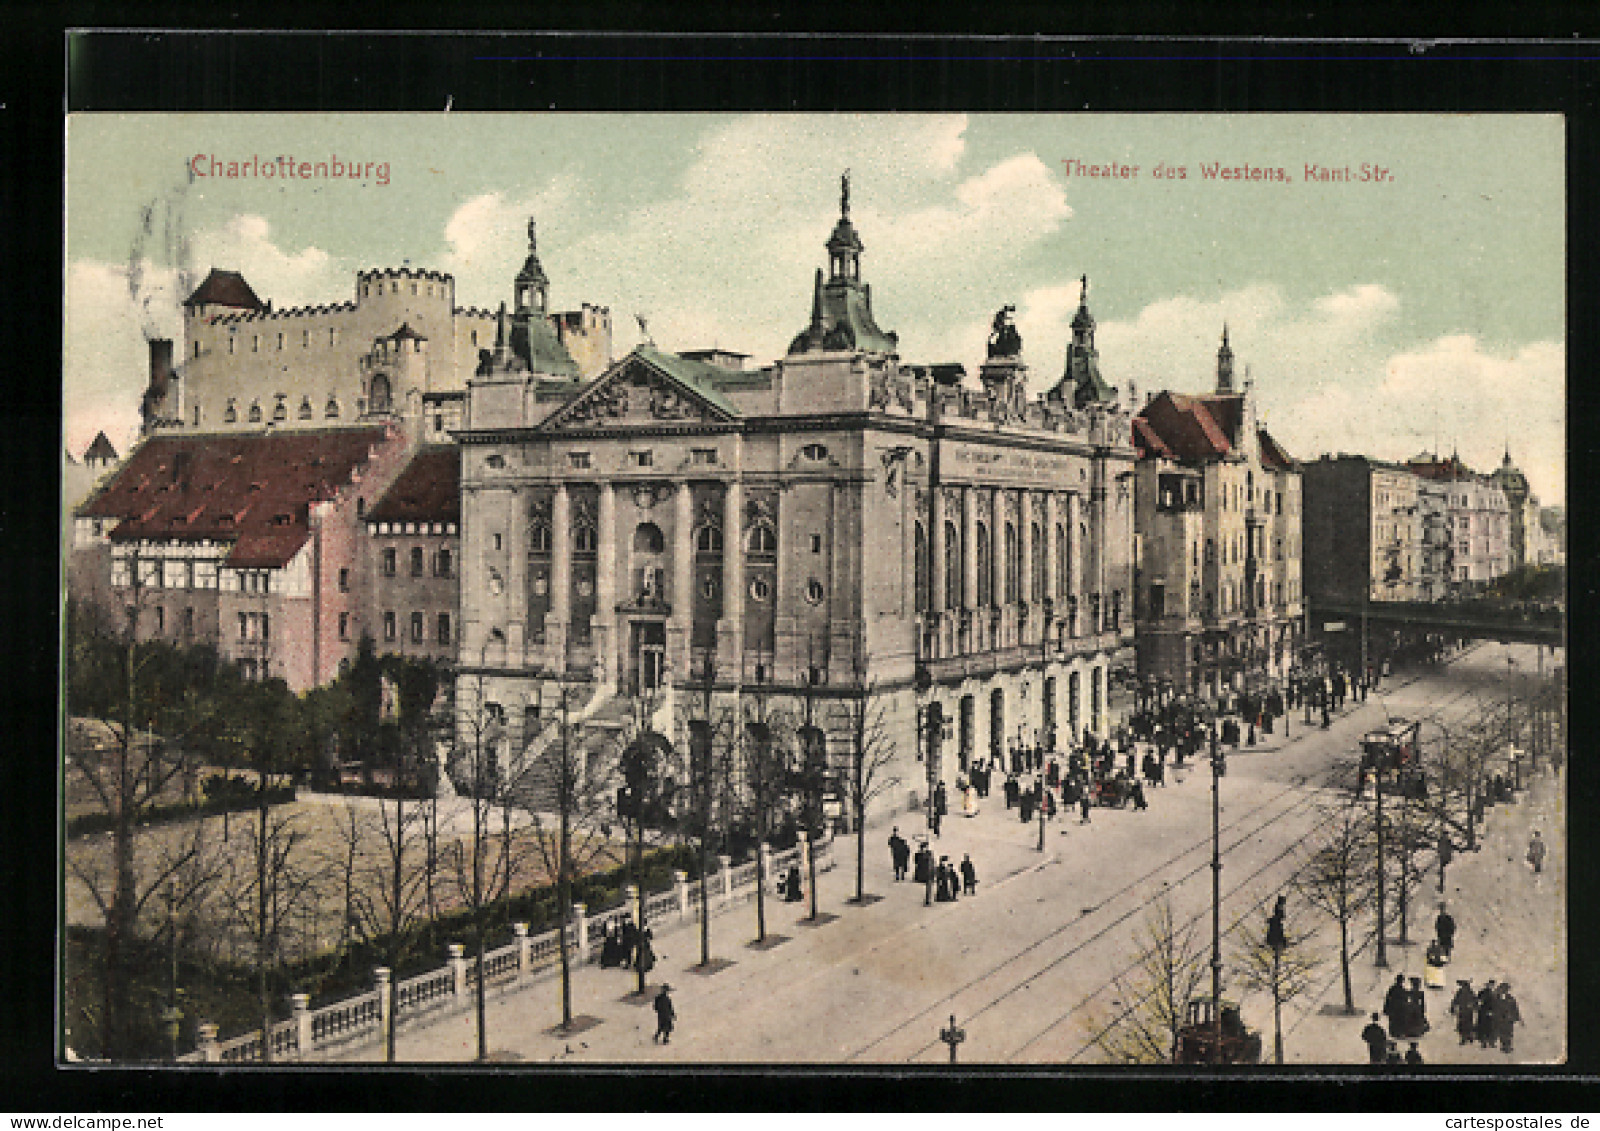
(952, 1036)
(1216, 898)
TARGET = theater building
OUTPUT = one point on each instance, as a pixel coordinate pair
(1219, 602)
(840, 524)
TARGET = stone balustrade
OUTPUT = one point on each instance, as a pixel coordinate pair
(363, 1018)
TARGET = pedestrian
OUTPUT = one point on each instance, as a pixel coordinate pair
(610, 948)
(1506, 1016)
(1413, 1055)
(1138, 795)
(630, 940)
(944, 882)
(1536, 850)
(924, 863)
(1465, 1007)
(1433, 967)
(899, 853)
(665, 1016)
(1013, 792)
(1393, 1055)
(941, 801)
(1416, 1009)
(1394, 1006)
(1486, 1024)
(1447, 851)
(969, 875)
(934, 819)
(1026, 812)
(791, 887)
(1445, 928)
(646, 960)
(1048, 801)
(1377, 1041)
(1083, 807)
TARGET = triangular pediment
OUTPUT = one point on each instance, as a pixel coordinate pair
(638, 391)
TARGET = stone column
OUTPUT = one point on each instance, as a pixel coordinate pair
(524, 951)
(633, 899)
(682, 597)
(458, 968)
(1052, 549)
(969, 548)
(580, 929)
(1074, 552)
(997, 547)
(936, 555)
(766, 861)
(560, 577)
(516, 576)
(207, 1041)
(725, 863)
(301, 1003)
(805, 854)
(606, 641)
(380, 982)
(730, 631)
(1025, 594)
(680, 880)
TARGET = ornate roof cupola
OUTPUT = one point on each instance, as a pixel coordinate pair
(1081, 383)
(532, 337)
(841, 307)
(1224, 365)
(532, 284)
(844, 246)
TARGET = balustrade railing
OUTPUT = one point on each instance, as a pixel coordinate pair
(362, 1017)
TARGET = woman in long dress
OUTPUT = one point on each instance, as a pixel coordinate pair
(1433, 967)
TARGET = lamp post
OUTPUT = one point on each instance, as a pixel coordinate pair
(1381, 955)
(1216, 898)
(952, 1036)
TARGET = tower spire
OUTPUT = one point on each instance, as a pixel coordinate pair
(844, 194)
(532, 285)
(1224, 364)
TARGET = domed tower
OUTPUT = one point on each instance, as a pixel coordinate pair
(533, 338)
(841, 307)
(1081, 383)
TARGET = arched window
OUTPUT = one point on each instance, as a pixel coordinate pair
(230, 415)
(985, 567)
(952, 566)
(762, 541)
(708, 540)
(255, 412)
(378, 395)
(583, 539)
(1036, 578)
(332, 411)
(920, 569)
(539, 538)
(647, 538)
(306, 411)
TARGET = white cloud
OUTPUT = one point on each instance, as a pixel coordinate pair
(487, 237)
(105, 359)
(245, 244)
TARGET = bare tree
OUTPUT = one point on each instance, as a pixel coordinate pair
(766, 760)
(1154, 991)
(569, 797)
(872, 756)
(1336, 880)
(1285, 971)
(712, 741)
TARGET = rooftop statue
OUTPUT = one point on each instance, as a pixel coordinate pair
(1004, 341)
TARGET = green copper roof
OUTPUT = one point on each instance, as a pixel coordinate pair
(699, 376)
(534, 340)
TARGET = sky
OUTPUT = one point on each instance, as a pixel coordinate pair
(1420, 309)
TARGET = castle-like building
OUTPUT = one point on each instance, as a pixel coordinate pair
(400, 350)
(840, 525)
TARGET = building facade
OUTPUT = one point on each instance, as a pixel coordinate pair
(411, 556)
(1522, 528)
(1218, 508)
(1363, 531)
(248, 542)
(838, 526)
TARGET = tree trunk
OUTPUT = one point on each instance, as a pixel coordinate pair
(761, 894)
(1277, 1011)
(705, 908)
(861, 851)
(811, 867)
(477, 918)
(1344, 961)
(395, 926)
(565, 890)
(262, 818)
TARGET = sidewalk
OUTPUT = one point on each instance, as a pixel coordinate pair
(519, 1020)
(1510, 926)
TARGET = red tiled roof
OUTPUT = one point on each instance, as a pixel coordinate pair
(249, 489)
(1186, 427)
(1272, 453)
(1148, 441)
(1441, 469)
(428, 490)
(225, 288)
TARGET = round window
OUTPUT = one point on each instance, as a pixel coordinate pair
(814, 591)
(760, 590)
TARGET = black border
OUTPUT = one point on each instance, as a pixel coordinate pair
(764, 68)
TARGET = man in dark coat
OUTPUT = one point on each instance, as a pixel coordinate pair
(1416, 1009)
(900, 853)
(969, 875)
(630, 940)
(665, 1016)
(941, 801)
(1506, 1016)
(1445, 928)
(1027, 806)
(1447, 851)
(1486, 1022)
(924, 864)
(1083, 806)
(1138, 795)
(1377, 1041)
(1013, 793)
(1465, 1007)
(1394, 1006)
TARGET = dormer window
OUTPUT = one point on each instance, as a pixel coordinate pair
(230, 415)
(255, 412)
(332, 410)
(817, 452)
